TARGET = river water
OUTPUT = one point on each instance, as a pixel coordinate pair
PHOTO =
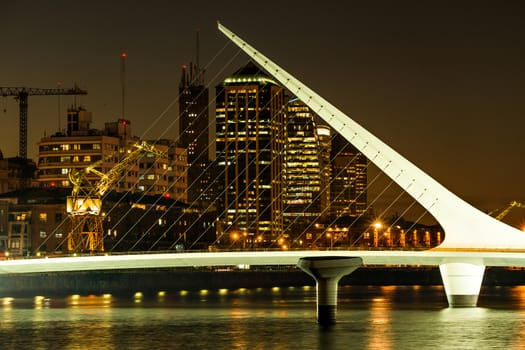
(393, 317)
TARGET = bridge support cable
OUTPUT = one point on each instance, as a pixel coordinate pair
(462, 283)
(170, 126)
(155, 121)
(327, 271)
(465, 226)
(251, 161)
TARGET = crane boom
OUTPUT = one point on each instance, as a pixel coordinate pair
(84, 206)
(21, 94)
(507, 210)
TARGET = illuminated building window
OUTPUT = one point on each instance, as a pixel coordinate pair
(42, 217)
(43, 234)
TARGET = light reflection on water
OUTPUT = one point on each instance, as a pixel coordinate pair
(280, 318)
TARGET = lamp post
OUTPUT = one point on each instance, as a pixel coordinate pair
(330, 236)
(234, 236)
(377, 226)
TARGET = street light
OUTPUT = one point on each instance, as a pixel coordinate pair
(331, 237)
(234, 236)
(378, 225)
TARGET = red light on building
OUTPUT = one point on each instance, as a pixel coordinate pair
(123, 55)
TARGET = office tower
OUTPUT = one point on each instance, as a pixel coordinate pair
(324, 140)
(305, 187)
(193, 129)
(249, 156)
(349, 179)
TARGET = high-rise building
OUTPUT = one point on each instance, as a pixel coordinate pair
(324, 140)
(349, 179)
(193, 129)
(305, 187)
(249, 156)
(83, 146)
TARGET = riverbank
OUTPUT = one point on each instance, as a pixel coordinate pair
(127, 282)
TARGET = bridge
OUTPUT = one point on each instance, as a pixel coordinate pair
(473, 239)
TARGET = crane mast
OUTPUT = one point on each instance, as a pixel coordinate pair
(84, 206)
(22, 94)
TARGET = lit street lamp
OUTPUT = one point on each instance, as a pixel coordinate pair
(330, 236)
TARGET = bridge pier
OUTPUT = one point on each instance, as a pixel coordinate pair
(327, 271)
(462, 283)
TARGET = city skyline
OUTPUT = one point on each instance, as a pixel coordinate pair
(442, 85)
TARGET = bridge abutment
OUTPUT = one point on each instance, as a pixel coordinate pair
(327, 271)
(462, 283)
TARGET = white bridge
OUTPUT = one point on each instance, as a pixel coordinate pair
(472, 241)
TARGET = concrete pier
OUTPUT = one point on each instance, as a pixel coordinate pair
(327, 271)
(462, 283)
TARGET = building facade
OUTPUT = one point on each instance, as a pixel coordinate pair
(305, 189)
(82, 146)
(35, 222)
(249, 155)
(349, 179)
(193, 130)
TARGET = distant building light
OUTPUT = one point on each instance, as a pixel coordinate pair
(323, 131)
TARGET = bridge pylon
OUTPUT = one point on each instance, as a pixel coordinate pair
(462, 283)
(465, 227)
(327, 271)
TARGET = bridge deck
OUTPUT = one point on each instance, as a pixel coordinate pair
(199, 259)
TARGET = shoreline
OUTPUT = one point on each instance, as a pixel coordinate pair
(150, 282)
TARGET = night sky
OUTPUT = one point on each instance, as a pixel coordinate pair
(442, 82)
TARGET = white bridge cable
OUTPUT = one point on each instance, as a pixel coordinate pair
(155, 121)
(180, 177)
(181, 215)
(218, 195)
(369, 205)
(190, 227)
(225, 231)
(211, 182)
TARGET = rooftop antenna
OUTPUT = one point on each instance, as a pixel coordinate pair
(123, 56)
(59, 85)
(198, 71)
(197, 58)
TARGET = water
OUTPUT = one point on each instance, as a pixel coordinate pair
(368, 318)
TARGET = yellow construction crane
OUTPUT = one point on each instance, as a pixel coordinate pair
(84, 206)
(507, 210)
